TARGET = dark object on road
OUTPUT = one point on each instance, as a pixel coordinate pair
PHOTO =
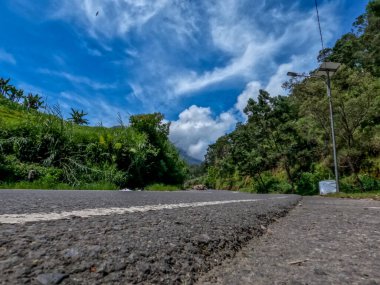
(200, 187)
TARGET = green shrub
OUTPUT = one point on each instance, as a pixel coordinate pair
(308, 184)
(266, 183)
(283, 187)
(350, 184)
(369, 183)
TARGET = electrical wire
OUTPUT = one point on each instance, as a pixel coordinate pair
(319, 24)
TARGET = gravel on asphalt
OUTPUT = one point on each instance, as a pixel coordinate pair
(322, 241)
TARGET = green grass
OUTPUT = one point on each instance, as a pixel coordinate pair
(362, 195)
(60, 186)
(162, 187)
(10, 116)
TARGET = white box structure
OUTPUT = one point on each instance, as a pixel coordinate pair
(327, 187)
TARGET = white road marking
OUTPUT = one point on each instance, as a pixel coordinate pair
(374, 208)
(36, 217)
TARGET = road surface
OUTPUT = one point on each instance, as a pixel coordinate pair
(322, 241)
(111, 237)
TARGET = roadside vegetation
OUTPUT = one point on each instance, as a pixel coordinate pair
(40, 149)
(285, 144)
(358, 195)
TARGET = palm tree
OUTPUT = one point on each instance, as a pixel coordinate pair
(33, 101)
(4, 86)
(77, 117)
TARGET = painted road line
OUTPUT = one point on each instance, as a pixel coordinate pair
(86, 213)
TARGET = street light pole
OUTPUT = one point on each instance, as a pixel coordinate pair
(332, 131)
(327, 69)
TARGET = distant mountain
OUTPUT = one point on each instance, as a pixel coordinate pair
(190, 160)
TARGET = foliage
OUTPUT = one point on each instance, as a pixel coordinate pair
(42, 185)
(33, 102)
(375, 195)
(61, 154)
(285, 144)
(77, 117)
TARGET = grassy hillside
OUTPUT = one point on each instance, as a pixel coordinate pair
(40, 149)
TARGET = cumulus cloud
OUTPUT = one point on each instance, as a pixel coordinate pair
(7, 57)
(274, 85)
(196, 128)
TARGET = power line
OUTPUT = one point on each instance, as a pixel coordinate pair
(319, 24)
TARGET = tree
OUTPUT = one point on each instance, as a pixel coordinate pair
(9, 91)
(33, 101)
(4, 86)
(152, 125)
(162, 163)
(77, 117)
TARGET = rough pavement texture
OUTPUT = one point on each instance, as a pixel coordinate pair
(33, 201)
(160, 247)
(322, 241)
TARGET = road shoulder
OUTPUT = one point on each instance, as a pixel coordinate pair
(321, 241)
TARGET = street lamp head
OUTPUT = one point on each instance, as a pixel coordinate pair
(327, 68)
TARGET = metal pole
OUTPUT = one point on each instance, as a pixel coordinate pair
(332, 131)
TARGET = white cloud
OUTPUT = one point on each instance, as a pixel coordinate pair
(196, 129)
(78, 79)
(297, 64)
(251, 91)
(240, 66)
(252, 39)
(7, 57)
(115, 18)
(252, 49)
(274, 86)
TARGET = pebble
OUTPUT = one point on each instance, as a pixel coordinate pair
(51, 278)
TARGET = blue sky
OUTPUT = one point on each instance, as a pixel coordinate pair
(197, 62)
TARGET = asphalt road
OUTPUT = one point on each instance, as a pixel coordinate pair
(145, 237)
(34, 201)
(321, 241)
